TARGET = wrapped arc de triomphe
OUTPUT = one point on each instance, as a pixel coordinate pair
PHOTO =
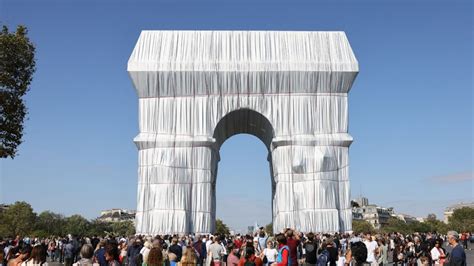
(198, 88)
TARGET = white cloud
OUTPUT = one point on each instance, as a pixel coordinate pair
(456, 177)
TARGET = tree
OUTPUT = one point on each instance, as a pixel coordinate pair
(99, 228)
(359, 226)
(395, 225)
(17, 65)
(437, 225)
(418, 227)
(51, 223)
(431, 217)
(354, 204)
(18, 219)
(221, 228)
(462, 220)
(123, 228)
(77, 225)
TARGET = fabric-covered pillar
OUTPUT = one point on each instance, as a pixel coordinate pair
(176, 187)
(311, 184)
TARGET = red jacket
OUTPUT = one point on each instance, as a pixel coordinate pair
(253, 258)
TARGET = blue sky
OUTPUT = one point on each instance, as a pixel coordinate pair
(410, 108)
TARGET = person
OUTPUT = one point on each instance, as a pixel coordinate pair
(69, 253)
(112, 255)
(154, 258)
(133, 251)
(356, 255)
(464, 238)
(383, 252)
(311, 249)
(250, 259)
(189, 257)
(176, 249)
(146, 250)
(262, 239)
(123, 252)
(232, 259)
(200, 247)
(87, 252)
(215, 251)
(36, 258)
(172, 258)
(292, 242)
(283, 258)
(399, 254)
(372, 246)
(24, 255)
(52, 250)
(332, 250)
(270, 253)
(437, 253)
(457, 257)
(99, 254)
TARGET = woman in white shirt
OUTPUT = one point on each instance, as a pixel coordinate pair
(270, 252)
(437, 253)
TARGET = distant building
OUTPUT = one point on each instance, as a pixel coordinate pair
(448, 212)
(375, 215)
(362, 201)
(117, 215)
(421, 219)
(356, 215)
(406, 218)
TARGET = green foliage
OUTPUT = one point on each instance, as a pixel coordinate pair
(462, 220)
(77, 225)
(431, 217)
(18, 219)
(269, 229)
(52, 224)
(123, 228)
(17, 65)
(395, 225)
(99, 228)
(418, 227)
(436, 225)
(362, 227)
(221, 227)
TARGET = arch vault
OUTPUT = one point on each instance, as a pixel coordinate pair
(197, 88)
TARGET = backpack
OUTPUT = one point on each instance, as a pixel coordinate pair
(323, 258)
(280, 254)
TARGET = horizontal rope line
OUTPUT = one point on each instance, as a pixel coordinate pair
(166, 210)
(260, 94)
(316, 210)
(177, 183)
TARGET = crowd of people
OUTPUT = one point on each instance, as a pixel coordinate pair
(289, 248)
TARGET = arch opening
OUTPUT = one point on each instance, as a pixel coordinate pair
(244, 121)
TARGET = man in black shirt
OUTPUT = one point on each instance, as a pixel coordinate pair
(176, 249)
(311, 248)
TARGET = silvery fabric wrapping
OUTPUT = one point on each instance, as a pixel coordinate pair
(198, 88)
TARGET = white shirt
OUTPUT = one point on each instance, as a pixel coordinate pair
(435, 254)
(371, 247)
(271, 254)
